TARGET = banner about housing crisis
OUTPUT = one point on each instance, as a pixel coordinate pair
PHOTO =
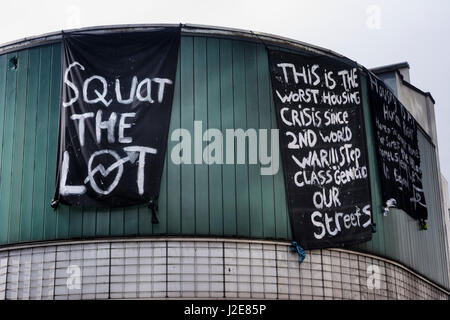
(322, 140)
(116, 101)
(398, 151)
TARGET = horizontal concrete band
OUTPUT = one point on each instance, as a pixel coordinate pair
(179, 267)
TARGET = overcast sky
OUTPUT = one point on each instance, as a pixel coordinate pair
(374, 33)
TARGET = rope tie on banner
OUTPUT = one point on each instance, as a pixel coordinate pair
(423, 224)
(295, 247)
(153, 205)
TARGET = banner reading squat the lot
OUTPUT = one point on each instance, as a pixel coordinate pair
(322, 140)
(116, 102)
(398, 151)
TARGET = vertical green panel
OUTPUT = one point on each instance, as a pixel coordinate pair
(282, 222)
(117, 221)
(131, 221)
(75, 222)
(62, 222)
(173, 192)
(68, 219)
(389, 226)
(368, 245)
(431, 243)
(40, 154)
(227, 113)
(53, 119)
(252, 109)
(214, 121)
(6, 156)
(144, 218)
(377, 244)
(200, 114)
(187, 122)
(145, 214)
(29, 144)
(240, 122)
(18, 143)
(89, 222)
(267, 192)
(3, 71)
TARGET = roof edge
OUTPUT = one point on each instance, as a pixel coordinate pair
(188, 29)
(390, 67)
(395, 68)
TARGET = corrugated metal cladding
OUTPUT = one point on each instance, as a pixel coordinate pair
(224, 83)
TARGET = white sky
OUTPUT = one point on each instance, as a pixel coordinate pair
(373, 32)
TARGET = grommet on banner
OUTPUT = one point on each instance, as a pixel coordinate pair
(374, 227)
(295, 247)
(54, 204)
(153, 205)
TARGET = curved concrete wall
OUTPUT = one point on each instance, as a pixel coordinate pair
(201, 268)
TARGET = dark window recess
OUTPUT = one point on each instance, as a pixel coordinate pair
(13, 63)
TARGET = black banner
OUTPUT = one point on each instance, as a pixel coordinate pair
(322, 139)
(116, 101)
(397, 151)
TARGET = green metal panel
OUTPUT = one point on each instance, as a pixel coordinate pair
(227, 119)
(377, 244)
(433, 240)
(52, 143)
(187, 122)
(225, 84)
(268, 202)
(41, 172)
(214, 121)
(254, 174)
(7, 168)
(201, 206)
(17, 151)
(172, 192)
(29, 144)
(240, 121)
